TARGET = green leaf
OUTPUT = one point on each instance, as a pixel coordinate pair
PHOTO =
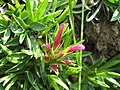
(24, 15)
(3, 78)
(28, 41)
(63, 15)
(113, 74)
(6, 49)
(34, 44)
(37, 26)
(13, 42)
(1, 87)
(109, 64)
(25, 85)
(29, 8)
(6, 35)
(116, 15)
(21, 7)
(98, 63)
(30, 77)
(31, 80)
(11, 7)
(85, 54)
(41, 9)
(59, 81)
(113, 1)
(102, 83)
(93, 15)
(3, 23)
(12, 60)
(99, 82)
(20, 22)
(54, 5)
(50, 16)
(53, 83)
(22, 37)
(2, 29)
(17, 3)
(8, 79)
(19, 66)
(28, 52)
(112, 80)
(16, 57)
(15, 30)
(73, 70)
(3, 61)
(11, 83)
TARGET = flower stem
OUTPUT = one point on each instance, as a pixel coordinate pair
(72, 19)
(81, 39)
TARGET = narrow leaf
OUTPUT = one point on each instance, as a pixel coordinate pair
(11, 7)
(8, 79)
(20, 22)
(41, 9)
(112, 80)
(29, 8)
(6, 49)
(11, 83)
(30, 77)
(116, 15)
(53, 83)
(50, 16)
(59, 81)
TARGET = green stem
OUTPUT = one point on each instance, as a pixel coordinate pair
(81, 38)
(79, 59)
(72, 20)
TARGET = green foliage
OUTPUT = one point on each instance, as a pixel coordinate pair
(101, 74)
(27, 25)
(92, 8)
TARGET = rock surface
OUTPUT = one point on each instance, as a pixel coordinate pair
(102, 37)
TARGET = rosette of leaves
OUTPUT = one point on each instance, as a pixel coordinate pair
(23, 28)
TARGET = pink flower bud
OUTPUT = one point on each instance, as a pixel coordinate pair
(57, 39)
(54, 67)
(48, 47)
(46, 57)
(66, 62)
(76, 47)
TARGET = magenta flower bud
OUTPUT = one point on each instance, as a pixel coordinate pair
(66, 62)
(57, 39)
(76, 47)
(54, 67)
(48, 47)
(46, 57)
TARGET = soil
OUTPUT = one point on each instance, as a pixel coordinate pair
(102, 37)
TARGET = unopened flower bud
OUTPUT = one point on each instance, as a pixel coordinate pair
(46, 57)
(76, 47)
(54, 67)
(48, 47)
(57, 39)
